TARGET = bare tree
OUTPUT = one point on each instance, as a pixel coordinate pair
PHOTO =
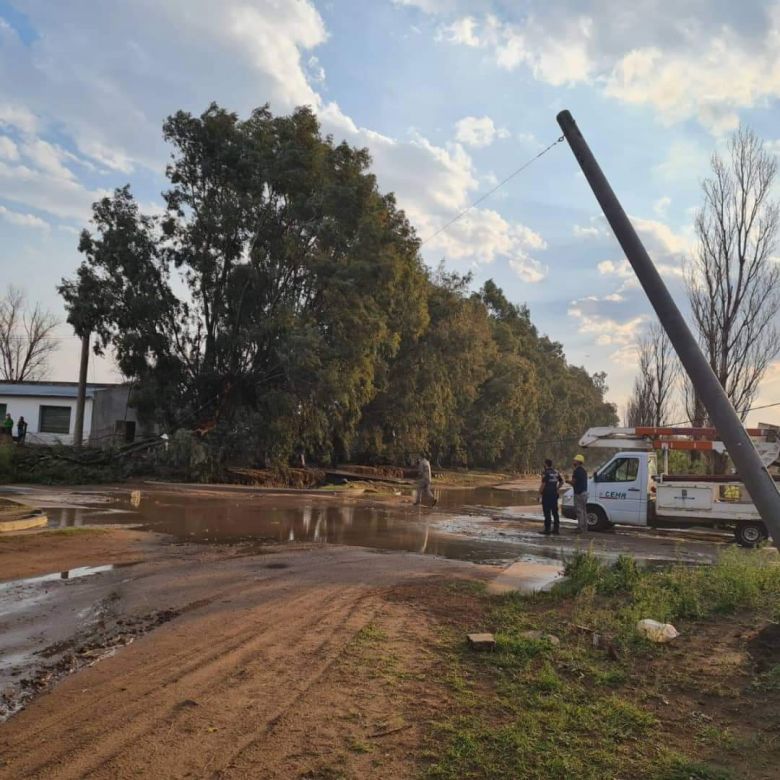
(652, 401)
(639, 410)
(26, 342)
(733, 279)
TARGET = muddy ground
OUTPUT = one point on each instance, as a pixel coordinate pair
(249, 674)
(245, 634)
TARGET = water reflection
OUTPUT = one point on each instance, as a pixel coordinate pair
(282, 519)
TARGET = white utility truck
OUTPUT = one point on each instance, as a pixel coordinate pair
(629, 490)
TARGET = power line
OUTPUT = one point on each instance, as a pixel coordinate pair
(752, 409)
(490, 192)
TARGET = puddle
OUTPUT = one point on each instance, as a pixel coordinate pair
(280, 519)
(488, 497)
(481, 525)
(68, 574)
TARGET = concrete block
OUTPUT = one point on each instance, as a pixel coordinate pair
(481, 641)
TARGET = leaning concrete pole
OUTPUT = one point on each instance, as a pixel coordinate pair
(81, 398)
(751, 469)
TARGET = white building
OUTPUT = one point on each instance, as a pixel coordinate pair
(49, 408)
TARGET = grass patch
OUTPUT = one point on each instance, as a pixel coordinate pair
(609, 706)
(359, 746)
(370, 634)
(740, 580)
(75, 531)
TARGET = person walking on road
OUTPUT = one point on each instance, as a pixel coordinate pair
(424, 482)
(548, 490)
(579, 481)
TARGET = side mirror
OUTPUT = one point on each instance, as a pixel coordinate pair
(595, 476)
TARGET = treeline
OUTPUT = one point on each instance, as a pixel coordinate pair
(280, 306)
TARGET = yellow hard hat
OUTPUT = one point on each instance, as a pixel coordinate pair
(579, 458)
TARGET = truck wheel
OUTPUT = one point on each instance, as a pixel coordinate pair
(597, 519)
(750, 534)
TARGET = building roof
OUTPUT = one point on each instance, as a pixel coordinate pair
(50, 389)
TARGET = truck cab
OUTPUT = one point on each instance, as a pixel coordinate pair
(619, 491)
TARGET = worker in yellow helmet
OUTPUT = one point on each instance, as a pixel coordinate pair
(579, 481)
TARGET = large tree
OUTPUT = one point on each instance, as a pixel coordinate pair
(733, 278)
(277, 281)
(280, 303)
(26, 338)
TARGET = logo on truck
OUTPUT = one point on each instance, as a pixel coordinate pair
(613, 494)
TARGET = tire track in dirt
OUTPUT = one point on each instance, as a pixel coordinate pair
(211, 695)
(193, 692)
(208, 668)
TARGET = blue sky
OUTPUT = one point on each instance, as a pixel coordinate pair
(450, 96)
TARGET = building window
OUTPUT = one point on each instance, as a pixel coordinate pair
(3, 410)
(55, 419)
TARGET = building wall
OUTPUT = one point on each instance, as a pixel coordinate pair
(29, 407)
(111, 406)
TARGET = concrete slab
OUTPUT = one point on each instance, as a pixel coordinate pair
(481, 641)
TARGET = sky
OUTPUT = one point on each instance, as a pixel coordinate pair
(449, 96)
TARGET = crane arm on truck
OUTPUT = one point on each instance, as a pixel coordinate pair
(766, 440)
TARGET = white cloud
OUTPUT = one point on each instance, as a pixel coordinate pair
(107, 95)
(659, 238)
(481, 236)
(621, 269)
(773, 145)
(60, 196)
(684, 65)
(478, 131)
(109, 91)
(607, 330)
(46, 157)
(17, 116)
(588, 231)
(114, 159)
(433, 184)
(430, 6)
(8, 149)
(556, 56)
(462, 31)
(661, 206)
(22, 220)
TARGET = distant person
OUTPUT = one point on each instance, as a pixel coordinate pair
(579, 481)
(424, 482)
(21, 430)
(548, 490)
(8, 427)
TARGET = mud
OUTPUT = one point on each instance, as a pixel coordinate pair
(199, 635)
(243, 675)
(484, 525)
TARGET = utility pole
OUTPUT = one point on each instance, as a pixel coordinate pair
(81, 398)
(751, 469)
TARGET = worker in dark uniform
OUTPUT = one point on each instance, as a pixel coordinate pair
(548, 490)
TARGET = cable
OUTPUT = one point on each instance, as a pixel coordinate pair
(490, 192)
(752, 409)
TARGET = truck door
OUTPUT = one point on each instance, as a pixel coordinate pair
(619, 490)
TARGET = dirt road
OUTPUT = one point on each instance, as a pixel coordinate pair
(257, 673)
(252, 635)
